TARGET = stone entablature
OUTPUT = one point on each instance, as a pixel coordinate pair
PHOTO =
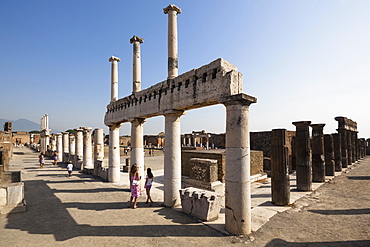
(196, 88)
(346, 123)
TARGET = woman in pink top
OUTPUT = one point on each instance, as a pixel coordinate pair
(134, 184)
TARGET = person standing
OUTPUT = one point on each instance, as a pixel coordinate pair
(70, 168)
(148, 185)
(55, 158)
(134, 185)
(41, 160)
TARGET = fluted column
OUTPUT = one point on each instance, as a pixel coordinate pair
(172, 12)
(114, 154)
(137, 146)
(172, 159)
(65, 146)
(78, 148)
(136, 68)
(318, 161)
(237, 176)
(302, 154)
(87, 148)
(114, 78)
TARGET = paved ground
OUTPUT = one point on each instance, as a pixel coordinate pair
(83, 210)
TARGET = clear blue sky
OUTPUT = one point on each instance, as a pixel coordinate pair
(303, 60)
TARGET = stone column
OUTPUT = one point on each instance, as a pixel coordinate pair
(343, 146)
(53, 143)
(349, 147)
(137, 146)
(87, 148)
(114, 78)
(237, 175)
(355, 144)
(303, 154)
(337, 152)
(78, 148)
(318, 161)
(65, 146)
(172, 12)
(98, 148)
(136, 72)
(172, 159)
(329, 155)
(280, 183)
(72, 147)
(114, 174)
(59, 145)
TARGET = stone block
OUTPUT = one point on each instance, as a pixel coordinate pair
(3, 197)
(15, 193)
(201, 204)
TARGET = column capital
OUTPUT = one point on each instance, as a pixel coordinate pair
(136, 38)
(242, 99)
(302, 123)
(173, 112)
(114, 125)
(113, 58)
(172, 7)
(137, 120)
(318, 126)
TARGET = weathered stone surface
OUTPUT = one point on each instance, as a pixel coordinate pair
(318, 159)
(201, 204)
(3, 197)
(337, 152)
(15, 193)
(329, 155)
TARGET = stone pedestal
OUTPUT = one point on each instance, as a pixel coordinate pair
(337, 152)
(98, 149)
(172, 12)
(329, 155)
(237, 177)
(318, 160)
(303, 156)
(87, 149)
(114, 154)
(172, 159)
(280, 183)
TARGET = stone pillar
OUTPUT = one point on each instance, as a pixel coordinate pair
(355, 145)
(303, 154)
(349, 147)
(98, 149)
(172, 159)
(343, 146)
(280, 183)
(72, 147)
(337, 152)
(329, 155)
(114, 174)
(136, 72)
(87, 148)
(137, 146)
(65, 146)
(318, 161)
(237, 175)
(53, 143)
(79, 147)
(362, 147)
(172, 12)
(114, 78)
(367, 146)
(59, 145)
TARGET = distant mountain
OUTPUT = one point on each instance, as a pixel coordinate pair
(20, 125)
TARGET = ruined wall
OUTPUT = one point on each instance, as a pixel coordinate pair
(218, 140)
(21, 137)
(220, 156)
(125, 140)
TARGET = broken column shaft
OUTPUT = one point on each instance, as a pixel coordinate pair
(318, 161)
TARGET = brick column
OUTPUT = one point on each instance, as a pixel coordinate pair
(329, 155)
(318, 161)
(337, 152)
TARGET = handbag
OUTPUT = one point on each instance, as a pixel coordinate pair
(135, 182)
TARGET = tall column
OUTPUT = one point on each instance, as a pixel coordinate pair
(137, 146)
(318, 161)
(329, 155)
(59, 145)
(65, 146)
(172, 12)
(302, 154)
(114, 78)
(172, 159)
(98, 148)
(343, 146)
(337, 152)
(280, 183)
(72, 147)
(87, 148)
(136, 72)
(114, 154)
(349, 147)
(78, 148)
(237, 176)
(354, 145)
